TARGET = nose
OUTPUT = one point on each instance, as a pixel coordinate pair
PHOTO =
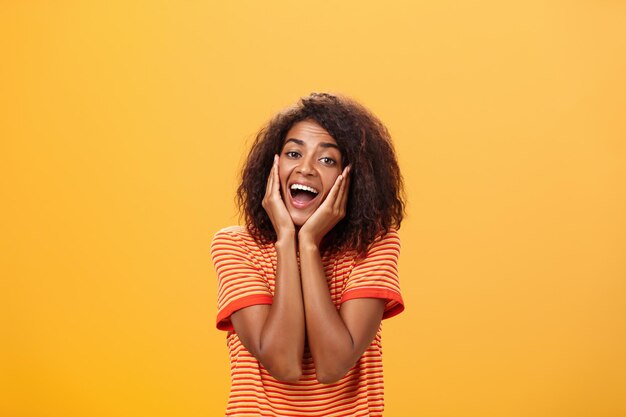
(306, 166)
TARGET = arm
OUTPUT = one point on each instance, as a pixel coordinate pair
(274, 333)
(337, 338)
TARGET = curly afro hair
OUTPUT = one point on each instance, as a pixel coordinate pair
(376, 196)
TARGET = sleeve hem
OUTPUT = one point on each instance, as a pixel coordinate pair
(223, 316)
(389, 295)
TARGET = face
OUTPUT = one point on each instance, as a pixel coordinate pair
(309, 164)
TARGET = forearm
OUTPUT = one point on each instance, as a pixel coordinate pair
(332, 346)
(281, 343)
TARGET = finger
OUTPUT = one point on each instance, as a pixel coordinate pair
(342, 197)
(347, 190)
(331, 198)
(270, 179)
(340, 192)
(276, 179)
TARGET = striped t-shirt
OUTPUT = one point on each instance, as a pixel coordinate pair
(246, 272)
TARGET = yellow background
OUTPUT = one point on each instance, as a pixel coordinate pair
(123, 126)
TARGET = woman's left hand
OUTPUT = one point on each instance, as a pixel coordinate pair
(329, 213)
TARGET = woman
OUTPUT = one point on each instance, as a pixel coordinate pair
(303, 287)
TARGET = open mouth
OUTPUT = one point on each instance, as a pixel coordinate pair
(302, 195)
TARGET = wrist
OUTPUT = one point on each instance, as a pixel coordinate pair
(307, 243)
(285, 233)
(285, 241)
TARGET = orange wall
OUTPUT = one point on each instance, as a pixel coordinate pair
(122, 130)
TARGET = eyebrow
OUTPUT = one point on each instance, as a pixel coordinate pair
(301, 143)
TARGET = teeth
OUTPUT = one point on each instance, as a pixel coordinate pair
(304, 188)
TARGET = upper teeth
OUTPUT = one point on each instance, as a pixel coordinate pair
(303, 187)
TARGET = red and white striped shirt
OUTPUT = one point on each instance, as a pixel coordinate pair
(246, 275)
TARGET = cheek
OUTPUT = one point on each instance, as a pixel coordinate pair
(283, 173)
(329, 181)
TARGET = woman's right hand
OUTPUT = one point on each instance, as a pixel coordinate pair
(275, 206)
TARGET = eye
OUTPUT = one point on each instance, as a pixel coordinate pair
(328, 161)
(292, 154)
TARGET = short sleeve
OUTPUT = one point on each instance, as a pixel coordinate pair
(240, 282)
(376, 275)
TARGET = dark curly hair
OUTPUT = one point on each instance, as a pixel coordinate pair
(376, 195)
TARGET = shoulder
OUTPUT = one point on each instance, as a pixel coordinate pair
(230, 231)
(238, 239)
(232, 235)
(392, 234)
(386, 245)
(387, 241)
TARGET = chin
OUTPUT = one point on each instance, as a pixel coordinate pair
(299, 220)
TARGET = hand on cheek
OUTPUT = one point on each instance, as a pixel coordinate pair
(275, 206)
(329, 213)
